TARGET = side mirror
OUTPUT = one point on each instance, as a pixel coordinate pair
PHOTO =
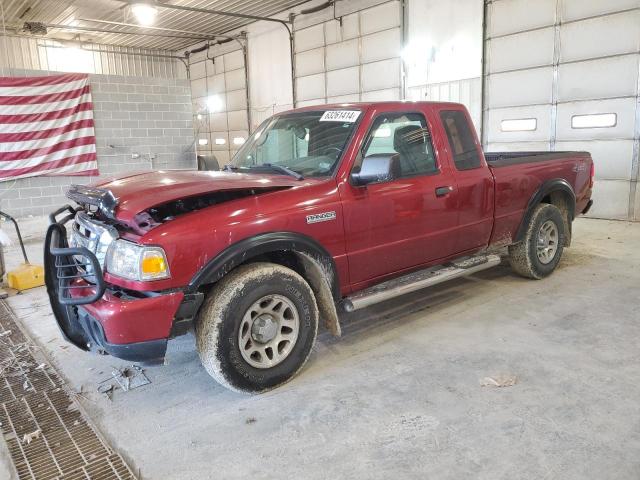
(377, 168)
(208, 162)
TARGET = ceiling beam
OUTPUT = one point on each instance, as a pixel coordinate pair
(72, 28)
(210, 11)
(133, 25)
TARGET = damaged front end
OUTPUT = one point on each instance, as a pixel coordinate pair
(160, 214)
(91, 305)
(91, 313)
(100, 199)
(98, 317)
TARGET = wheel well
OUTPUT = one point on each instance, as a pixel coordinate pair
(563, 202)
(285, 258)
(318, 271)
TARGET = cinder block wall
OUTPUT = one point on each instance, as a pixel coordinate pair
(141, 124)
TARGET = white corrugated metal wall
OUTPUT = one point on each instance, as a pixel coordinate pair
(564, 75)
(41, 54)
(350, 59)
(443, 55)
(219, 93)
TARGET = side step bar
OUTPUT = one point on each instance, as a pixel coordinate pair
(419, 280)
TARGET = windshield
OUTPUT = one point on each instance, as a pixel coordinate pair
(305, 143)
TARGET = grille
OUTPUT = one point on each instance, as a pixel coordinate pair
(46, 433)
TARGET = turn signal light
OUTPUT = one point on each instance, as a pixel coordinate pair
(153, 264)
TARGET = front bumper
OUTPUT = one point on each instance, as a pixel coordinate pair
(96, 317)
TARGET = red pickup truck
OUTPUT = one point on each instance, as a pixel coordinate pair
(323, 208)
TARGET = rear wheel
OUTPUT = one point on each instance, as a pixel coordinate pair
(256, 329)
(539, 253)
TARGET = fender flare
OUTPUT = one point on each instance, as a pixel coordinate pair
(318, 265)
(548, 187)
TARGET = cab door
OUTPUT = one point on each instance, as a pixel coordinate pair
(405, 222)
(474, 180)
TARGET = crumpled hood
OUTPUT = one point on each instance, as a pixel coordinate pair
(138, 192)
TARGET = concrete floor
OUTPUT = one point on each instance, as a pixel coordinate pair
(400, 395)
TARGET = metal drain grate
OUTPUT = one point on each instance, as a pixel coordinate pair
(105, 468)
(45, 431)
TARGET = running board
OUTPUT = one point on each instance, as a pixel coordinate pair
(419, 280)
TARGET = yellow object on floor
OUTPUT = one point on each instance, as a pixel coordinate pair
(26, 276)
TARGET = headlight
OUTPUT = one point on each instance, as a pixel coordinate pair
(137, 262)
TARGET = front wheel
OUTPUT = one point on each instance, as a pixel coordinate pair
(256, 329)
(539, 253)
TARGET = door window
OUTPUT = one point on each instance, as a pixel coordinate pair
(407, 136)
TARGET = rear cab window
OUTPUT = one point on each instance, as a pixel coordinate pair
(461, 139)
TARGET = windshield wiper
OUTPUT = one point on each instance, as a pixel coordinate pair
(269, 166)
(281, 169)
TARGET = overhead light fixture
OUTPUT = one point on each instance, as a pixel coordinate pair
(145, 13)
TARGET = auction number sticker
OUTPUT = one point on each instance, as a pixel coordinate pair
(348, 116)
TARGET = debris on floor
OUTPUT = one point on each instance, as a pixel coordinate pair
(29, 437)
(127, 378)
(504, 380)
(130, 377)
(106, 390)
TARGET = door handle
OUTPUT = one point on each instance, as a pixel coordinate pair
(443, 191)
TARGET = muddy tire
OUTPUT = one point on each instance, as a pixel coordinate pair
(256, 328)
(539, 253)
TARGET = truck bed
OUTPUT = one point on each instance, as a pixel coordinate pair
(519, 175)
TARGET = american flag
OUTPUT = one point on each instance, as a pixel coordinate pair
(46, 126)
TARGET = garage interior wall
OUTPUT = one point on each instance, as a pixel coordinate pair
(141, 123)
(142, 113)
(50, 55)
(443, 54)
(219, 90)
(565, 76)
(347, 51)
(353, 58)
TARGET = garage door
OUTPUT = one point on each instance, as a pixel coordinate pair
(219, 91)
(353, 59)
(563, 75)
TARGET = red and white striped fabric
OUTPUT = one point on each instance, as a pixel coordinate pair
(46, 127)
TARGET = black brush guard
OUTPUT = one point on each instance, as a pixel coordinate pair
(62, 266)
